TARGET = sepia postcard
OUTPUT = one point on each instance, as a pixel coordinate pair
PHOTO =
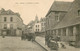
(39, 25)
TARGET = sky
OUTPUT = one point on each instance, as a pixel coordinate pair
(28, 9)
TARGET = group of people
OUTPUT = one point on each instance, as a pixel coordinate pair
(52, 42)
(29, 36)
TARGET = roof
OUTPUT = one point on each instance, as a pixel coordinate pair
(71, 18)
(8, 12)
(60, 6)
(42, 19)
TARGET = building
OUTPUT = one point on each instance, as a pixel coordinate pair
(69, 27)
(37, 25)
(55, 14)
(42, 21)
(10, 22)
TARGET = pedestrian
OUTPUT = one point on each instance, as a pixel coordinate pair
(53, 45)
(45, 40)
(33, 37)
(3, 35)
(26, 35)
(23, 36)
(49, 38)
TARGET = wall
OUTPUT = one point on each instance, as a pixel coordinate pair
(37, 27)
(17, 22)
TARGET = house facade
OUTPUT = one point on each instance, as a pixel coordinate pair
(10, 22)
(37, 25)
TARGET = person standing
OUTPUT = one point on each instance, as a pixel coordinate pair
(3, 35)
(33, 37)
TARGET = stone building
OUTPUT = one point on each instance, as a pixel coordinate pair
(10, 22)
(55, 14)
(69, 27)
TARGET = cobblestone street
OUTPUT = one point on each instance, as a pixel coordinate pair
(16, 44)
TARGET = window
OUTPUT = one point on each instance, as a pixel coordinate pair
(5, 26)
(11, 19)
(5, 19)
(36, 25)
(38, 29)
(78, 12)
(11, 26)
(56, 16)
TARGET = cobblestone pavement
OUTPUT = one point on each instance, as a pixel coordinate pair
(16, 44)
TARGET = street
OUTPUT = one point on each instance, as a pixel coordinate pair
(16, 44)
(41, 40)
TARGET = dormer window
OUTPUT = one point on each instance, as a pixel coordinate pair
(78, 12)
(56, 16)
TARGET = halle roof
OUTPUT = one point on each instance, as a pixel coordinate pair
(59, 6)
(71, 18)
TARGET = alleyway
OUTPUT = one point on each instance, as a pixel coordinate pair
(16, 44)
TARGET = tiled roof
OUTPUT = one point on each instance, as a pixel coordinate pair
(71, 18)
(60, 6)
